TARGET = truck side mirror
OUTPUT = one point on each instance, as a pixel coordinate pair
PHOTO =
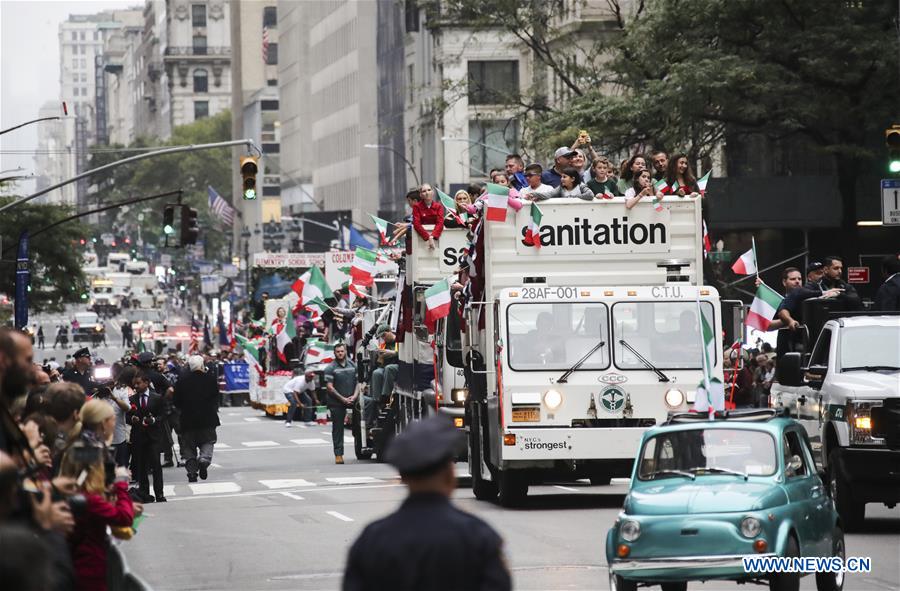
(453, 336)
(788, 371)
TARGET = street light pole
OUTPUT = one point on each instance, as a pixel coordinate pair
(28, 123)
(396, 152)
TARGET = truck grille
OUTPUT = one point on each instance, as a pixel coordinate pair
(612, 423)
(886, 422)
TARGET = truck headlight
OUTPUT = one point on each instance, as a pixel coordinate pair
(459, 394)
(859, 419)
(630, 530)
(674, 398)
(552, 398)
(750, 527)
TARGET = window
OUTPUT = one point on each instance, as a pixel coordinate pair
(490, 140)
(411, 16)
(272, 54)
(870, 346)
(201, 109)
(96, 35)
(201, 81)
(83, 63)
(491, 82)
(793, 451)
(74, 36)
(706, 452)
(665, 333)
(410, 82)
(820, 353)
(199, 45)
(81, 35)
(198, 15)
(553, 336)
(84, 77)
(270, 17)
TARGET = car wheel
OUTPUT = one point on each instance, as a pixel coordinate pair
(679, 586)
(512, 489)
(787, 581)
(853, 513)
(617, 583)
(833, 581)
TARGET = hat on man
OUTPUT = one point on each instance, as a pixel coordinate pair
(814, 266)
(563, 151)
(83, 352)
(195, 363)
(145, 358)
(425, 446)
(383, 328)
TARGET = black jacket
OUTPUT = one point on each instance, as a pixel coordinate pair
(427, 544)
(155, 410)
(887, 298)
(197, 397)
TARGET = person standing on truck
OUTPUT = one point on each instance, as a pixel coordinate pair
(834, 269)
(342, 388)
(428, 211)
(887, 298)
(790, 312)
(427, 543)
(388, 364)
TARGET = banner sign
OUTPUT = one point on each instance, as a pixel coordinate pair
(451, 244)
(237, 376)
(587, 230)
(277, 260)
(209, 284)
(857, 274)
(23, 277)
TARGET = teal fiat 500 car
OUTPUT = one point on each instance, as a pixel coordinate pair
(706, 494)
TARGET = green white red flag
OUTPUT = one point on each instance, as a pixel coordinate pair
(662, 186)
(382, 226)
(710, 395)
(311, 284)
(317, 306)
(437, 302)
(533, 231)
(497, 202)
(762, 310)
(702, 181)
(285, 332)
(319, 352)
(449, 205)
(251, 353)
(746, 264)
(362, 272)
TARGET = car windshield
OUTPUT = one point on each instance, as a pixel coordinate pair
(667, 334)
(699, 452)
(870, 347)
(554, 336)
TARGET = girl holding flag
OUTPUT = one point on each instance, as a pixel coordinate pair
(680, 178)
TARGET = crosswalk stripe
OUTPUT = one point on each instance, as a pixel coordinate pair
(353, 479)
(222, 445)
(169, 490)
(207, 488)
(252, 419)
(286, 483)
(340, 516)
(259, 443)
(308, 441)
(292, 496)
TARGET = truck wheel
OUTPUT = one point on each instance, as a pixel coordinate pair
(833, 581)
(484, 490)
(787, 581)
(512, 489)
(853, 513)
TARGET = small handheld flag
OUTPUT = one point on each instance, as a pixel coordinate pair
(497, 202)
(702, 181)
(746, 264)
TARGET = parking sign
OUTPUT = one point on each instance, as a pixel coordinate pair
(890, 202)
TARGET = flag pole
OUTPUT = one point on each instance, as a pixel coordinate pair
(755, 262)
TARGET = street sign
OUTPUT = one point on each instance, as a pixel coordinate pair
(890, 202)
(857, 274)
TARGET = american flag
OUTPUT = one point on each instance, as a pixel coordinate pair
(220, 207)
(265, 48)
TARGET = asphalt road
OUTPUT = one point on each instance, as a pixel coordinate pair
(276, 513)
(109, 352)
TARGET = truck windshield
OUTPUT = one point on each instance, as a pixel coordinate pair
(698, 452)
(865, 347)
(667, 334)
(553, 336)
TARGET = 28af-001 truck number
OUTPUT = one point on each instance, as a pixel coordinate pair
(539, 293)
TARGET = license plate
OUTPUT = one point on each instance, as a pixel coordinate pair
(526, 415)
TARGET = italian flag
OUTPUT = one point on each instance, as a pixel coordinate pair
(710, 395)
(674, 188)
(497, 202)
(357, 290)
(449, 205)
(317, 306)
(382, 226)
(437, 302)
(533, 232)
(701, 182)
(607, 193)
(707, 243)
(746, 265)
(251, 352)
(284, 333)
(319, 352)
(762, 310)
(310, 285)
(662, 187)
(363, 269)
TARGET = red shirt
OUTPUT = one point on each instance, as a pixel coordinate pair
(433, 215)
(89, 542)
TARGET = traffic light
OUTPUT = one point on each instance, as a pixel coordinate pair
(892, 141)
(169, 220)
(249, 168)
(190, 228)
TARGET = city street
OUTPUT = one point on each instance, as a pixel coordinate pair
(276, 513)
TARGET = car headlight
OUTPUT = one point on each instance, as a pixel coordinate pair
(630, 530)
(750, 527)
(552, 398)
(674, 398)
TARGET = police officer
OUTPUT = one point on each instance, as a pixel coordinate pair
(340, 382)
(80, 373)
(427, 543)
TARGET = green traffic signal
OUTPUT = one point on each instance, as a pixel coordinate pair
(167, 229)
(250, 194)
(892, 141)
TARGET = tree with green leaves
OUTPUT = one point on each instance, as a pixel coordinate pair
(56, 255)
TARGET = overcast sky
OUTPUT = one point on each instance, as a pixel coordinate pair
(29, 68)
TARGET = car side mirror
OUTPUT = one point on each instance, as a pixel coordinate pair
(794, 465)
(788, 371)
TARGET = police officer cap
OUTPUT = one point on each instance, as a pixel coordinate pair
(425, 446)
(145, 358)
(83, 352)
(383, 328)
(814, 266)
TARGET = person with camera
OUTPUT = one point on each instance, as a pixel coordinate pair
(102, 499)
(147, 438)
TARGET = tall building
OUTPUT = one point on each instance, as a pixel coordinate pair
(53, 162)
